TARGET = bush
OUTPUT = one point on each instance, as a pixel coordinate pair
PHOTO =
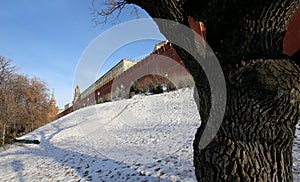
(158, 89)
(151, 88)
(171, 87)
(100, 100)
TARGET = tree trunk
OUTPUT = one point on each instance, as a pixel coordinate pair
(3, 135)
(254, 142)
(15, 130)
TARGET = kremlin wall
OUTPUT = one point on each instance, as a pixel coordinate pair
(162, 67)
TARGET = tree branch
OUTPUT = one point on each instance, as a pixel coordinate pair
(109, 9)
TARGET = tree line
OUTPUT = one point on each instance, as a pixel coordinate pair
(24, 102)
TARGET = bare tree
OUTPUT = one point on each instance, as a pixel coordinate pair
(6, 95)
(37, 104)
(254, 142)
(19, 84)
(6, 69)
(115, 8)
(24, 102)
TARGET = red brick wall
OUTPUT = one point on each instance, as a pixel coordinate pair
(164, 62)
(291, 41)
(161, 62)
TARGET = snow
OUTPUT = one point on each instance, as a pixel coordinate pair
(296, 154)
(147, 138)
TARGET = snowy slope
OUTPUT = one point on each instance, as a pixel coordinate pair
(142, 139)
(145, 138)
(296, 154)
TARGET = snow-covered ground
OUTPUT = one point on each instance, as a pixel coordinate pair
(296, 154)
(142, 139)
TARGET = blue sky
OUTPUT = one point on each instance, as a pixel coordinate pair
(47, 39)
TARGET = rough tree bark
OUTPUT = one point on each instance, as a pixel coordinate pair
(254, 142)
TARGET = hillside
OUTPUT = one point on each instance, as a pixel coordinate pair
(147, 138)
